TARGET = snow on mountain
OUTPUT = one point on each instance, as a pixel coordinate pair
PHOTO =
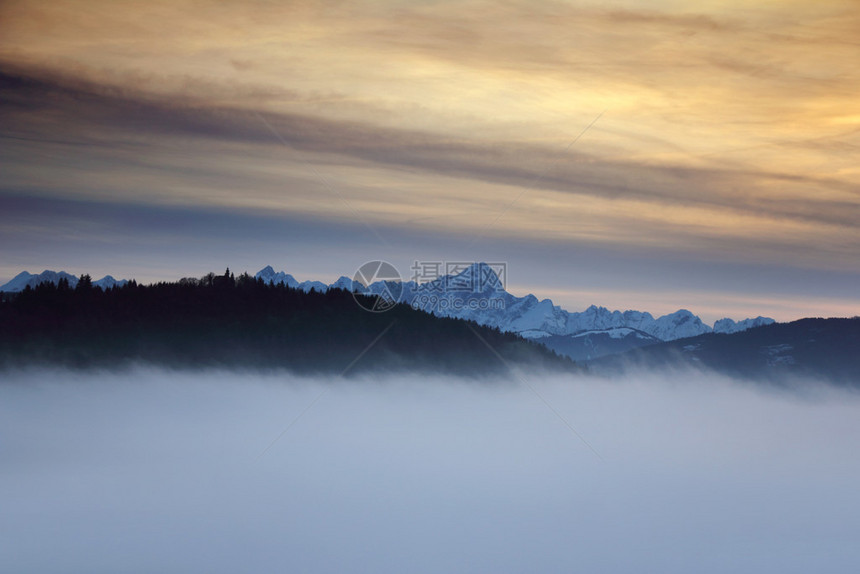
(588, 345)
(534, 334)
(25, 279)
(621, 333)
(678, 325)
(18, 283)
(478, 294)
(346, 284)
(268, 275)
(108, 281)
(729, 326)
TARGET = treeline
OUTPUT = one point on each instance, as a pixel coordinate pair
(242, 322)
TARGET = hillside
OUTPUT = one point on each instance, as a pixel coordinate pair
(244, 323)
(827, 349)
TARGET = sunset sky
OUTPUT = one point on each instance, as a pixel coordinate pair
(637, 155)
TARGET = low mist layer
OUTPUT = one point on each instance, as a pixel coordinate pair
(210, 471)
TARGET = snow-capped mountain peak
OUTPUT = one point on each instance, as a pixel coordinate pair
(476, 279)
(480, 277)
(268, 275)
(730, 326)
(344, 283)
(678, 325)
(477, 293)
(267, 271)
(108, 281)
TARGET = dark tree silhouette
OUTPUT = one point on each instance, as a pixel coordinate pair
(224, 321)
(85, 283)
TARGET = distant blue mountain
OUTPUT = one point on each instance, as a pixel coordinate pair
(24, 279)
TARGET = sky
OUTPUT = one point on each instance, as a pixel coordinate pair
(650, 156)
(164, 471)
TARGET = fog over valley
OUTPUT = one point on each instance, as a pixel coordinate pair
(150, 470)
(429, 287)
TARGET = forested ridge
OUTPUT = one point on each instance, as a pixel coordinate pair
(826, 349)
(242, 322)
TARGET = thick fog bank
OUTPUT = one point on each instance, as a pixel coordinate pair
(154, 471)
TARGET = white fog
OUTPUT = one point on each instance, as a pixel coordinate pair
(159, 471)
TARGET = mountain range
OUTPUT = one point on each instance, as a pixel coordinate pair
(24, 279)
(240, 322)
(478, 294)
(275, 320)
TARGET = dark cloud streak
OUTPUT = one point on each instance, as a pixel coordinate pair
(39, 105)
